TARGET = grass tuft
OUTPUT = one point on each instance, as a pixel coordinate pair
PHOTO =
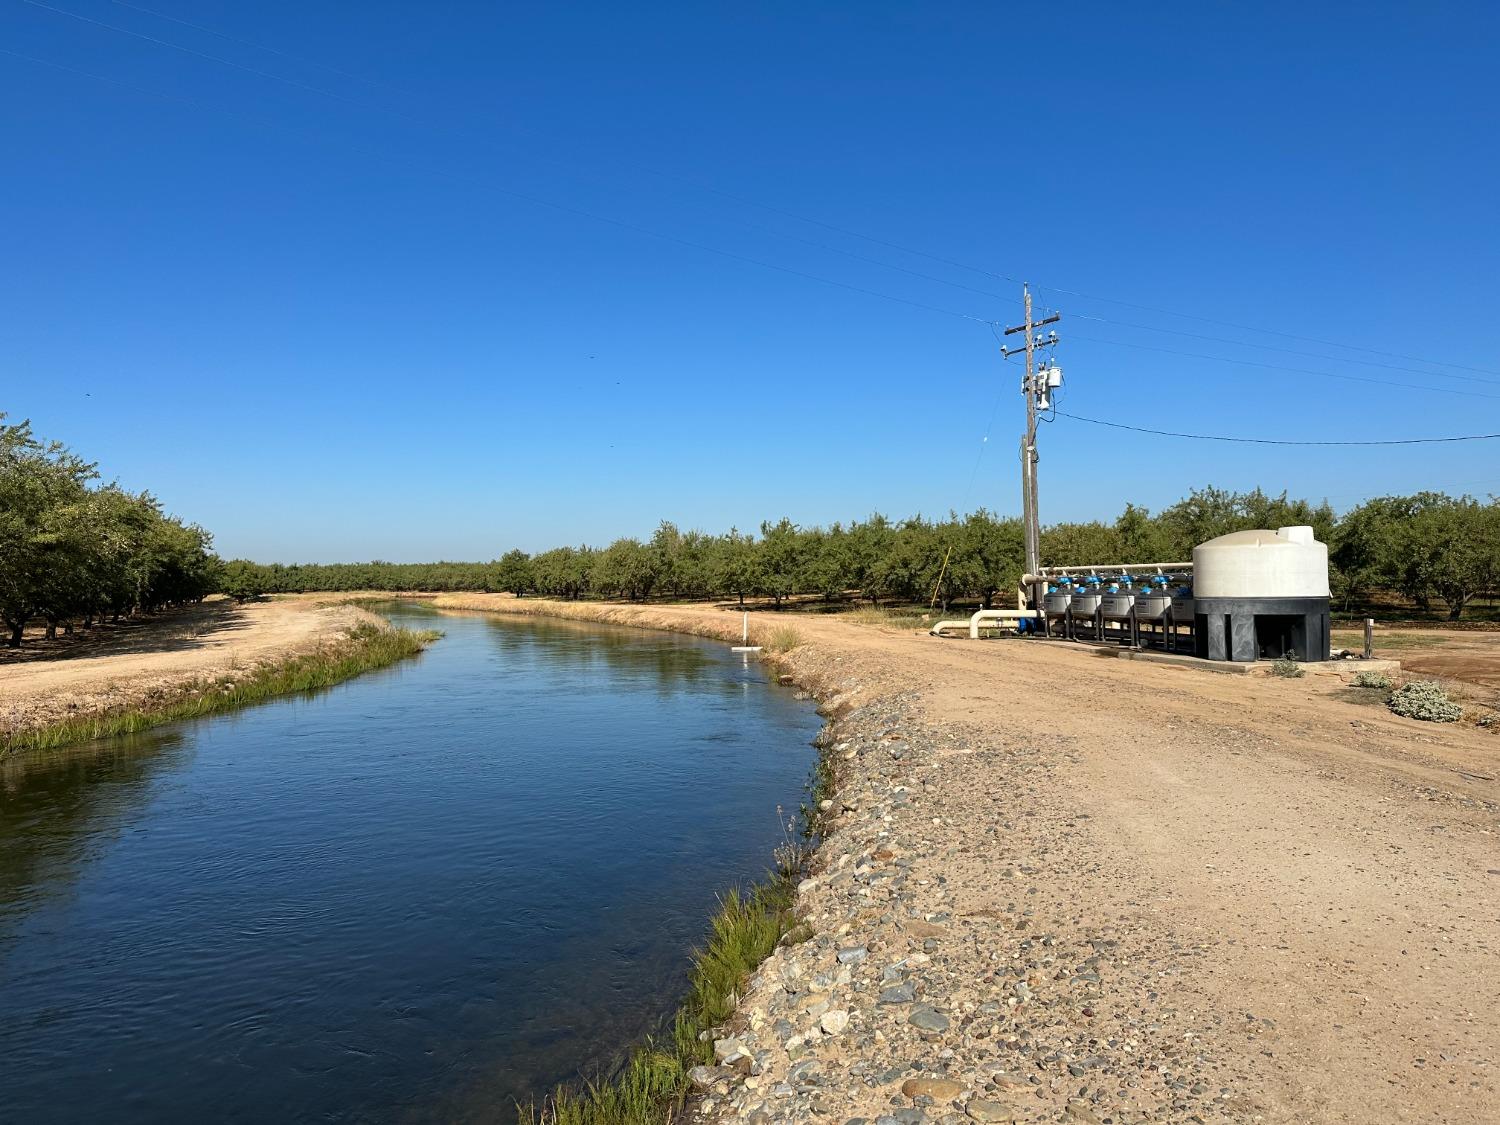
(783, 638)
(653, 1082)
(363, 649)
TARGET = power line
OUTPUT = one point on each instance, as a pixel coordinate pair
(203, 55)
(743, 200)
(1270, 441)
(247, 43)
(443, 128)
(1268, 331)
(1288, 351)
(1281, 367)
(540, 201)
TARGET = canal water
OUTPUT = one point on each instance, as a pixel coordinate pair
(419, 896)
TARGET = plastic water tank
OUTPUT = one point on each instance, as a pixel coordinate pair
(1286, 563)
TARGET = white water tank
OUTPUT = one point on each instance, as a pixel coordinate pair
(1285, 563)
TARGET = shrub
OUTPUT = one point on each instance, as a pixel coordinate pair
(1287, 667)
(1373, 680)
(783, 638)
(1426, 700)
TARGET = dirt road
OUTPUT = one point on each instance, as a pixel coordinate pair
(1296, 896)
(130, 666)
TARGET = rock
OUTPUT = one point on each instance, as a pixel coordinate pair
(729, 1050)
(853, 955)
(704, 1077)
(916, 927)
(903, 993)
(834, 1022)
(981, 1110)
(938, 1089)
(928, 1019)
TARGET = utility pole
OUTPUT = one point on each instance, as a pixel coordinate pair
(1035, 386)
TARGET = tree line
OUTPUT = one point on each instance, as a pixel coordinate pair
(1426, 548)
(73, 550)
(76, 551)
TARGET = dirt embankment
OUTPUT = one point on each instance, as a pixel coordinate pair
(152, 662)
(1059, 887)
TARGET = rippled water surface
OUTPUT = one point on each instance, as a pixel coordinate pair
(416, 897)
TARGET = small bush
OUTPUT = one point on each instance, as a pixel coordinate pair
(1287, 667)
(783, 638)
(1425, 700)
(1373, 680)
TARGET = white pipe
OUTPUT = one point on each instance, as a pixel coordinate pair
(1044, 572)
(978, 621)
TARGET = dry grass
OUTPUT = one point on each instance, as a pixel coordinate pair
(783, 638)
(890, 618)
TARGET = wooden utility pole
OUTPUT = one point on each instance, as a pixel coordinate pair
(1034, 385)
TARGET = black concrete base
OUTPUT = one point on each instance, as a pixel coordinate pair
(1247, 629)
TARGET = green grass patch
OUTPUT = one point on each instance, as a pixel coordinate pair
(653, 1081)
(365, 648)
(652, 1084)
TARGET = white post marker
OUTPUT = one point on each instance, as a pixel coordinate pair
(745, 635)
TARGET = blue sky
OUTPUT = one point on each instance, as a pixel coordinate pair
(345, 298)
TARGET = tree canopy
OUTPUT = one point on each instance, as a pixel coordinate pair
(72, 549)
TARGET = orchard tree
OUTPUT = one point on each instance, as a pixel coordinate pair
(514, 574)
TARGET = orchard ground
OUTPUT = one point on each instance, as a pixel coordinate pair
(1131, 892)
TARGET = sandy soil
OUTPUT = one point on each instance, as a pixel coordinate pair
(115, 668)
(1277, 855)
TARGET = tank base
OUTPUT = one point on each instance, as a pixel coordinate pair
(1246, 629)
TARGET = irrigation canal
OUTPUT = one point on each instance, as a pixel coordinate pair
(415, 897)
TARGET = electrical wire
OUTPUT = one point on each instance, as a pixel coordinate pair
(204, 55)
(1267, 331)
(1281, 367)
(1272, 441)
(247, 43)
(745, 201)
(540, 201)
(1288, 351)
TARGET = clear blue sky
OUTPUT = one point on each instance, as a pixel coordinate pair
(315, 312)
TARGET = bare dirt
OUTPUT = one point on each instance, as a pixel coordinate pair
(151, 659)
(1129, 892)
(1465, 656)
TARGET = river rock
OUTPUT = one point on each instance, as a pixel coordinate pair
(729, 1050)
(903, 993)
(938, 1089)
(988, 1111)
(928, 1019)
(705, 1077)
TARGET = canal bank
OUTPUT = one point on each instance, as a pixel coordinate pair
(1043, 894)
(187, 663)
